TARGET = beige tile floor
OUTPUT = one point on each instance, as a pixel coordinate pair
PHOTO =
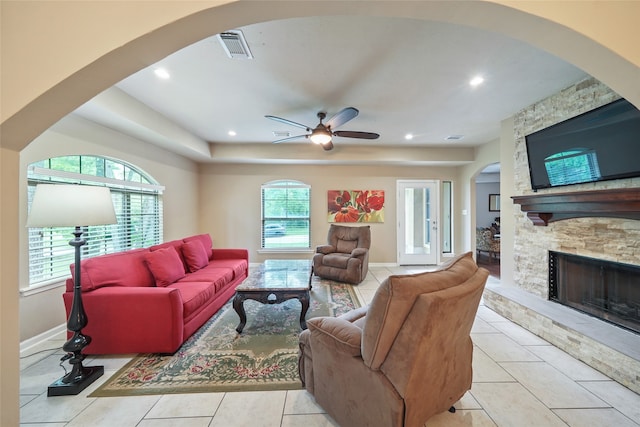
(519, 380)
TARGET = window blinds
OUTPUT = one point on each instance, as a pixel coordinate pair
(138, 207)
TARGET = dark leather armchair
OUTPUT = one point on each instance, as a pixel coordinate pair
(405, 357)
(345, 257)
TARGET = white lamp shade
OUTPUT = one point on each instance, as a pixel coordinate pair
(69, 205)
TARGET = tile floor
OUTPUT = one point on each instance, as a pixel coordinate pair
(519, 380)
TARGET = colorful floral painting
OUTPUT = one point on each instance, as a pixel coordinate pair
(356, 205)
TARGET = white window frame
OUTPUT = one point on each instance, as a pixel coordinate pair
(137, 200)
(289, 242)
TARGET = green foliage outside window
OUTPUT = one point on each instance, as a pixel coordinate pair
(285, 215)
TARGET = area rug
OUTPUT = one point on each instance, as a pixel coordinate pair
(216, 358)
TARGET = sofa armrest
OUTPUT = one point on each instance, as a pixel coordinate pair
(149, 315)
(325, 249)
(359, 252)
(225, 253)
(337, 334)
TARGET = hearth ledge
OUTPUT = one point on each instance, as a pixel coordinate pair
(611, 350)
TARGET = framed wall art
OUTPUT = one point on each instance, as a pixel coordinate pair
(355, 205)
(494, 203)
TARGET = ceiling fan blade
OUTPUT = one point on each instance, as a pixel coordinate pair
(328, 146)
(288, 122)
(342, 117)
(354, 134)
(290, 138)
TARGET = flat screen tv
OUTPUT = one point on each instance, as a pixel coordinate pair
(599, 145)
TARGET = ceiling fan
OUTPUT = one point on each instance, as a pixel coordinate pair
(323, 132)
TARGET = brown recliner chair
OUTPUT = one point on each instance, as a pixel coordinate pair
(405, 357)
(345, 257)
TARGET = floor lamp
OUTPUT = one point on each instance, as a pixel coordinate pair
(62, 205)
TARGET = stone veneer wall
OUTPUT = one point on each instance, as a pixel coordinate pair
(604, 238)
(526, 303)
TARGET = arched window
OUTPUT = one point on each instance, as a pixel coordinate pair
(137, 200)
(285, 215)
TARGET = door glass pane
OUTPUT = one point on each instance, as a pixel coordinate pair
(445, 223)
(417, 221)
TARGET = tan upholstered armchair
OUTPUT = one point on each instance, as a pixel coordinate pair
(405, 357)
(345, 257)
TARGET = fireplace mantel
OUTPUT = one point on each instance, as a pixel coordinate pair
(542, 209)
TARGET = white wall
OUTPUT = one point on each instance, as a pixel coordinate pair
(230, 201)
(484, 217)
(507, 189)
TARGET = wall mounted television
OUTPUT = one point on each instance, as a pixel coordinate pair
(599, 145)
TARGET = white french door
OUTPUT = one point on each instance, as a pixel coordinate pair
(418, 222)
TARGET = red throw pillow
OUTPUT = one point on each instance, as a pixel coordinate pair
(195, 255)
(206, 241)
(165, 265)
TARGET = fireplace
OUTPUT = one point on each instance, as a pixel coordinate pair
(607, 290)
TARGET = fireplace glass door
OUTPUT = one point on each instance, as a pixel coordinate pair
(605, 289)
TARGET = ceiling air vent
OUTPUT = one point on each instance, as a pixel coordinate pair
(234, 44)
(454, 138)
(281, 134)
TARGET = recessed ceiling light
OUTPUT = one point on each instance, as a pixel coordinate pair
(162, 73)
(477, 80)
(232, 133)
(408, 136)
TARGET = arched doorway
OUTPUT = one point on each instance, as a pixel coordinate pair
(45, 85)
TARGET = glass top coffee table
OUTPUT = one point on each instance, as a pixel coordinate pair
(274, 282)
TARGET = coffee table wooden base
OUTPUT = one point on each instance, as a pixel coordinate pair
(270, 297)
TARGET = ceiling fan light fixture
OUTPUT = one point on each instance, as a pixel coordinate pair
(323, 134)
(320, 136)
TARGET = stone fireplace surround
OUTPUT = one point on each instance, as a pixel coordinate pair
(612, 350)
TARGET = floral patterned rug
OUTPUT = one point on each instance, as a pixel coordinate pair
(217, 358)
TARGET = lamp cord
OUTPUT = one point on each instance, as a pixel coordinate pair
(64, 359)
(38, 352)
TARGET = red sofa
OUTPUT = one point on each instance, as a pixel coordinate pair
(151, 300)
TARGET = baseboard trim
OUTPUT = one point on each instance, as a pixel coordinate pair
(29, 343)
(383, 264)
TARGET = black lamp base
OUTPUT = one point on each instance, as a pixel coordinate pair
(61, 388)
